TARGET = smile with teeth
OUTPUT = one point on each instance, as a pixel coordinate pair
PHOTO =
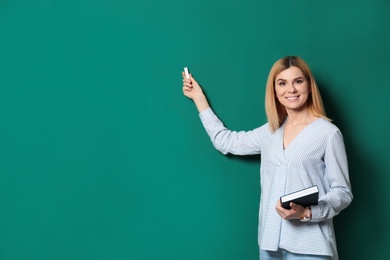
(292, 98)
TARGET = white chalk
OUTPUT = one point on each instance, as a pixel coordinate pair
(186, 73)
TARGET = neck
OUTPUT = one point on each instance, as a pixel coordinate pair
(300, 117)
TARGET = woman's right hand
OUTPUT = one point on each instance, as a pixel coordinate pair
(192, 90)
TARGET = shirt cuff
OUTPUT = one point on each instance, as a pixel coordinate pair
(315, 213)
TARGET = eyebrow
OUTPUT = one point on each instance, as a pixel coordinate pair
(294, 79)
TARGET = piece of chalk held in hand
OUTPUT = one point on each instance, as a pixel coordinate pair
(186, 73)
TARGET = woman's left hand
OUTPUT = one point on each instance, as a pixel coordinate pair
(296, 211)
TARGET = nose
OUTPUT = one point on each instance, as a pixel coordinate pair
(291, 88)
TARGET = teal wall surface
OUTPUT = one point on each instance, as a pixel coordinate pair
(102, 157)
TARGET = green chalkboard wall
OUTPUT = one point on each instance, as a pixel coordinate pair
(102, 157)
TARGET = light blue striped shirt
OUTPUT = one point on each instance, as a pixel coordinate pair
(315, 157)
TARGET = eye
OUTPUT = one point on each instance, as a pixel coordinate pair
(299, 81)
(281, 83)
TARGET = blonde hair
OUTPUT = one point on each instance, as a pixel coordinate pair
(276, 112)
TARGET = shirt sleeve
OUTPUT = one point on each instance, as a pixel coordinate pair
(339, 194)
(233, 142)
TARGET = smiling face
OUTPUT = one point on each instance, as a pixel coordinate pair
(292, 89)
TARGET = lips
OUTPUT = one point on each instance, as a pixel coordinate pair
(292, 98)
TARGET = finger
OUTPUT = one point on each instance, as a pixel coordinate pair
(192, 78)
(187, 80)
(279, 206)
(279, 209)
(294, 206)
(187, 84)
(187, 90)
(183, 74)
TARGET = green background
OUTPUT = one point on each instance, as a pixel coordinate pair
(102, 157)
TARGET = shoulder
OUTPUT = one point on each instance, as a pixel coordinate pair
(329, 132)
(326, 126)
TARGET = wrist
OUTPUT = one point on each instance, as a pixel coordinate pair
(306, 215)
(201, 103)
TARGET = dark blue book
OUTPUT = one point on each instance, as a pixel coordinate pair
(305, 197)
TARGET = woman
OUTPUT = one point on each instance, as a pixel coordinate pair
(299, 148)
